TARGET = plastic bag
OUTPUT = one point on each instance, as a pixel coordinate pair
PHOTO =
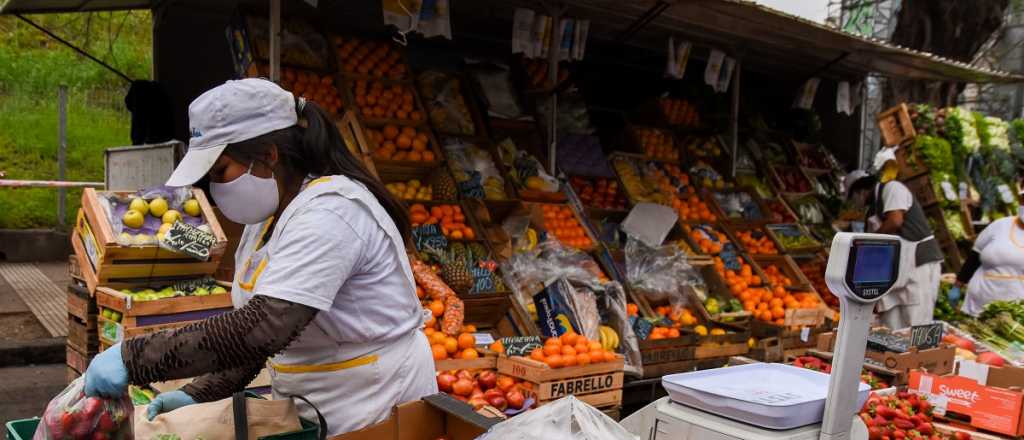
(116, 206)
(661, 274)
(475, 171)
(445, 103)
(565, 419)
(72, 415)
(495, 81)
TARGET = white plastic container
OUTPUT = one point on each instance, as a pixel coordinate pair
(773, 396)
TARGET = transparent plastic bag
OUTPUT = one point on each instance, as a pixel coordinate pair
(660, 273)
(495, 81)
(565, 419)
(72, 415)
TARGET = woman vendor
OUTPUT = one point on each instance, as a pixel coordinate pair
(323, 287)
(994, 270)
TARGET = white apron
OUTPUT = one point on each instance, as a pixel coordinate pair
(1001, 274)
(353, 385)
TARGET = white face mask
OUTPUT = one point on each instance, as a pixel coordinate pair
(248, 199)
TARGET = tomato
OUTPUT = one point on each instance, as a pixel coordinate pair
(106, 424)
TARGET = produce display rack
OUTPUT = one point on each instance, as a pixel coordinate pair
(789, 268)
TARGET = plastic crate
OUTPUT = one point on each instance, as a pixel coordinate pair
(23, 429)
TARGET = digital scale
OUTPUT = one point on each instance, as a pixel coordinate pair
(782, 402)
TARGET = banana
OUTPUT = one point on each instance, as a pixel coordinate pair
(609, 338)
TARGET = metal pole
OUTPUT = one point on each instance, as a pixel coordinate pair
(275, 40)
(552, 84)
(62, 146)
(734, 119)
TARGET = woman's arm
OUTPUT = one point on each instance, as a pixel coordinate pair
(237, 339)
(970, 266)
(221, 385)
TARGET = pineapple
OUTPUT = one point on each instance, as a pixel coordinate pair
(454, 268)
(443, 185)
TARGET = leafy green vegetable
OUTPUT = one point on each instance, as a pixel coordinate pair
(936, 153)
(953, 223)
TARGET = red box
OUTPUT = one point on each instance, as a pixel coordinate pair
(990, 407)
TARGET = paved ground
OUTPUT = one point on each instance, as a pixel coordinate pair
(25, 391)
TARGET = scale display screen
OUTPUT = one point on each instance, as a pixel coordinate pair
(872, 267)
(873, 264)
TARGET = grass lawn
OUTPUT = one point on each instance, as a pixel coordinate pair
(28, 151)
(32, 66)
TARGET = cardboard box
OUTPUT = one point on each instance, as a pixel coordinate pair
(984, 399)
(939, 360)
(426, 419)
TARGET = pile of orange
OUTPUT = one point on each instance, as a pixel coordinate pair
(679, 112)
(700, 235)
(757, 242)
(317, 88)
(560, 221)
(448, 347)
(657, 144)
(377, 100)
(693, 209)
(377, 59)
(775, 275)
(405, 143)
(768, 303)
(449, 217)
(632, 309)
(570, 350)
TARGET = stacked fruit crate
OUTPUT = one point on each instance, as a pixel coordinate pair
(83, 340)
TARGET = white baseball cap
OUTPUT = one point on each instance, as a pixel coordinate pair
(235, 111)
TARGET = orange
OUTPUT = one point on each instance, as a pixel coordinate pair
(467, 340)
(439, 352)
(428, 156)
(583, 359)
(404, 142)
(537, 354)
(409, 131)
(569, 338)
(582, 347)
(554, 361)
(429, 332)
(451, 345)
(778, 312)
(469, 353)
(568, 351)
(553, 341)
(552, 349)
(673, 333)
(569, 360)
(431, 322)
(438, 338)
(594, 346)
(436, 308)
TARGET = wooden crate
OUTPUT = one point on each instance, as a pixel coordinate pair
(599, 385)
(82, 335)
(687, 231)
(788, 268)
(355, 139)
(111, 332)
(775, 231)
(896, 126)
(488, 361)
(103, 260)
(922, 189)
(74, 270)
(81, 306)
(712, 199)
(775, 180)
(71, 374)
(112, 299)
(79, 361)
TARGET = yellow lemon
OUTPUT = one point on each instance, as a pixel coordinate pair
(133, 219)
(140, 205)
(158, 207)
(191, 207)
(717, 332)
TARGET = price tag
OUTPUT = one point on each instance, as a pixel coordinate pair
(714, 68)
(483, 338)
(1005, 194)
(963, 191)
(429, 237)
(482, 280)
(948, 191)
(520, 345)
(805, 334)
(189, 240)
(642, 328)
(206, 282)
(926, 336)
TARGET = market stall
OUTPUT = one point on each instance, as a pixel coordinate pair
(582, 225)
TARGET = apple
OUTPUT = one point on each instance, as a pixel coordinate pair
(505, 383)
(171, 216)
(515, 399)
(498, 402)
(142, 239)
(157, 207)
(464, 374)
(140, 205)
(445, 382)
(487, 379)
(191, 207)
(133, 219)
(462, 387)
(493, 392)
(201, 291)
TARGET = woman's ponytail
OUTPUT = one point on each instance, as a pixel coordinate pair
(326, 153)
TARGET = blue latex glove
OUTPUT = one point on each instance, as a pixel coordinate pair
(107, 375)
(166, 402)
(953, 294)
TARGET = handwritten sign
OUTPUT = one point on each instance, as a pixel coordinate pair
(948, 191)
(472, 188)
(206, 282)
(926, 336)
(189, 240)
(482, 280)
(520, 345)
(429, 237)
(641, 327)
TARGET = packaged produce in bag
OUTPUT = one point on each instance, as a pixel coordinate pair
(565, 419)
(72, 415)
(660, 273)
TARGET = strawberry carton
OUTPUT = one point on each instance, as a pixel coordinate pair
(984, 397)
